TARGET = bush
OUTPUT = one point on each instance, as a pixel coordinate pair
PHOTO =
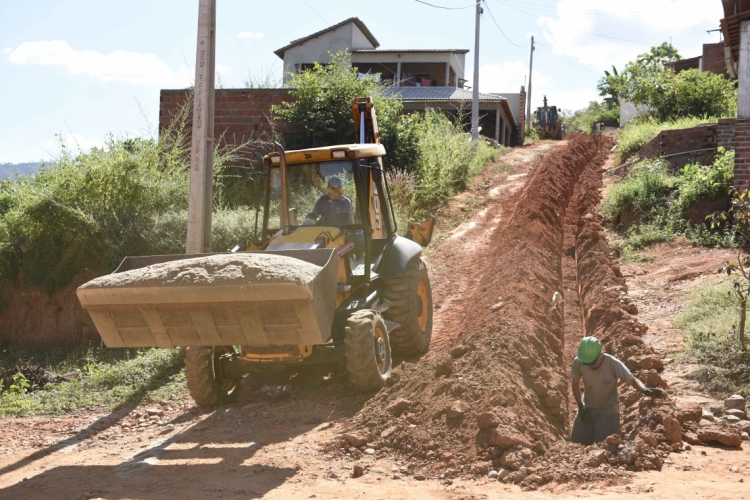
(321, 113)
(638, 132)
(709, 326)
(586, 119)
(659, 201)
(92, 209)
(691, 93)
(645, 188)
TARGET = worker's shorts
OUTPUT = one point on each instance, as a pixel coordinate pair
(604, 424)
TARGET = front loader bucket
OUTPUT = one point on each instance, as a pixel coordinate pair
(250, 313)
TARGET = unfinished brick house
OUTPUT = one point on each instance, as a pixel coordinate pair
(422, 78)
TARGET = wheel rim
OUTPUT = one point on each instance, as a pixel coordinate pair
(225, 385)
(423, 310)
(381, 349)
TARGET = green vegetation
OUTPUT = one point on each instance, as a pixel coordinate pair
(586, 119)
(638, 132)
(92, 209)
(321, 113)
(709, 326)
(429, 157)
(107, 378)
(670, 95)
(657, 202)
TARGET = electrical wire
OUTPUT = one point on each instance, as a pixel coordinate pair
(550, 8)
(316, 12)
(575, 29)
(498, 26)
(549, 49)
(447, 8)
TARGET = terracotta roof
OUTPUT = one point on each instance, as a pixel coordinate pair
(440, 94)
(365, 31)
(405, 51)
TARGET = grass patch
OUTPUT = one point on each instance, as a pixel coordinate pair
(709, 328)
(638, 132)
(97, 377)
(657, 202)
(631, 256)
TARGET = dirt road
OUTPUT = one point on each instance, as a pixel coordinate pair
(273, 446)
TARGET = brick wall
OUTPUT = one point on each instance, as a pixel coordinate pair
(725, 133)
(713, 58)
(742, 153)
(239, 114)
(684, 146)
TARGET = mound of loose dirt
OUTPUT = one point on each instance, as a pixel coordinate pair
(499, 398)
(214, 270)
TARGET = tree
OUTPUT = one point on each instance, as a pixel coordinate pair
(668, 94)
(321, 113)
(693, 92)
(608, 87)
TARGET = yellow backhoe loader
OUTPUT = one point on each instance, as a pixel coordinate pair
(327, 206)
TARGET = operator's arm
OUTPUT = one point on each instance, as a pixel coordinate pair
(317, 209)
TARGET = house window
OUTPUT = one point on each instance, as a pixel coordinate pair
(308, 67)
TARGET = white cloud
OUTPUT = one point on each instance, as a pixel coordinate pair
(7, 50)
(75, 142)
(565, 99)
(250, 34)
(507, 77)
(119, 66)
(571, 31)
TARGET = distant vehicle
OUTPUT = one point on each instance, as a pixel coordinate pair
(548, 124)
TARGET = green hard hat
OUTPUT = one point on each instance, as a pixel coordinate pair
(589, 349)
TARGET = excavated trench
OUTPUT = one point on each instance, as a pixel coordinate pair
(499, 398)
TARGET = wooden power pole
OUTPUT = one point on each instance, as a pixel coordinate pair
(528, 93)
(475, 83)
(202, 147)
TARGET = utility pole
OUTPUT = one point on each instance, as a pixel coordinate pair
(475, 90)
(200, 200)
(528, 93)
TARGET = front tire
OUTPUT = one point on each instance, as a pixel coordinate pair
(411, 294)
(367, 351)
(204, 380)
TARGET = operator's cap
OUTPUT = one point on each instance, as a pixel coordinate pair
(589, 349)
(334, 182)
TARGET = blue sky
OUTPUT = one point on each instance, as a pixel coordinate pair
(77, 70)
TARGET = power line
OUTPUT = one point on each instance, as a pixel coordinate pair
(498, 26)
(549, 49)
(316, 13)
(549, 8)
(447, 8)
(575, 29)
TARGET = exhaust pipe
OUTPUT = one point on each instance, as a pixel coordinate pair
(284, 194)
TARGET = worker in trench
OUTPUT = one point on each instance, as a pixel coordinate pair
(599, 410)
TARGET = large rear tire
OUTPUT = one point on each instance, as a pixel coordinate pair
(411, 294)
(367, 351)
(205, 383)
